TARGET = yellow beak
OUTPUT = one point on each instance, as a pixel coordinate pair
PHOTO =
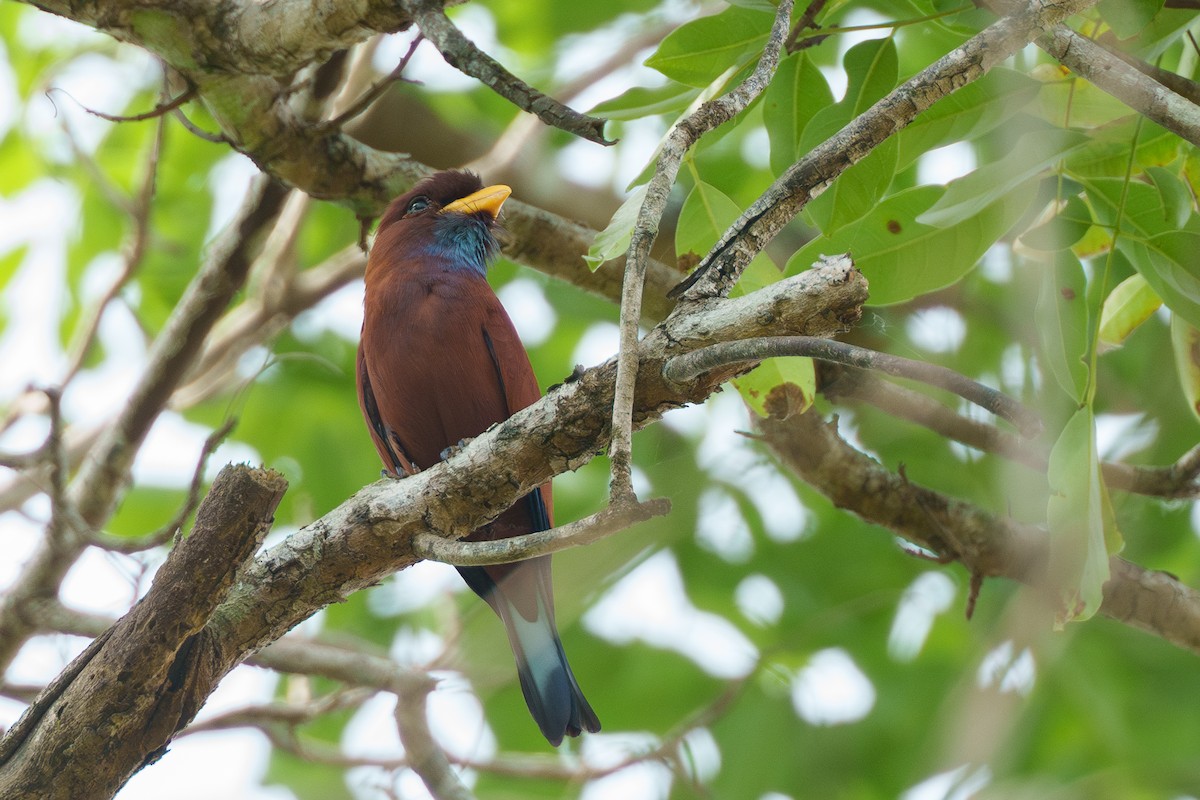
(488, 199)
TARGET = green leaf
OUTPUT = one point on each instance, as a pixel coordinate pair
(1126, 308)
(779, 385)
(797, 92)
(613, 241)
(1128, 17)
(1064, 230)
(639, 102)
(1142, 211)
(1079, 515)
(902, 258)
(1185, 341)
(1176, 197)
(697, 52)
(1061, 315)
(1168, 263)
(10, 262)
(705, 215)
(971, 111)
(967, 196)
(1106, 154)
(871, 69)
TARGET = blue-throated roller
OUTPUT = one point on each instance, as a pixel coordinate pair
(440, 361)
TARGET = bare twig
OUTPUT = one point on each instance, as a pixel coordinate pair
(807, 20)
(808, 177)
(160, 110)
(686, 367)
(425, 757)
(287, 714)
(501, 551)
(524, 128)
(124, 544)
(1178, 480)
(865, 387)
(196, 130)
(376, 90)
(134, 253)
(463, 55)
(685, 133)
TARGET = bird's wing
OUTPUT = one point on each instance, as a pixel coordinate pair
(520, 389)
(387, 443)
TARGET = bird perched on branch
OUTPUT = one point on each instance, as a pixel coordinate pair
(440, 362)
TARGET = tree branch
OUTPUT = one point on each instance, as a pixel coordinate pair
(424, 755)
(686, 367)
(93, 493)
(369, 536)
(685, 133)
(464, 56)
(132, 689)
(613, 519)
(1122, 76)
(987, 545)
(720, 269)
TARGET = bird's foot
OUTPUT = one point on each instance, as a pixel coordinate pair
(454, 449)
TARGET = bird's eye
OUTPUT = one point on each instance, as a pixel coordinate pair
(417, 204)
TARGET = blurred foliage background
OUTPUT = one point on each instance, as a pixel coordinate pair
(757, 643)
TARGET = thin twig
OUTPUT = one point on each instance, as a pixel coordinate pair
(502, 551)
(376, 90)
(685, 133)
(809, 40)
(463, 55)
(196, 130)
(158, 111)
(517, 137)
(807, 20)
(134, 253)
(863, 386)
(124, 544)
(688, 366)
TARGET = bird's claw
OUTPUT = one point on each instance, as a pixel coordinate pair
(454, 449)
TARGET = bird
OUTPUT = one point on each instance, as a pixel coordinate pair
(440, 362)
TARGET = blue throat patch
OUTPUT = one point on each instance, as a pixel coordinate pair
(466, 242)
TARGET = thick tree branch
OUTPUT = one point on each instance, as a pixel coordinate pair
(1160, 96)
(133, 688)
(986, 544)
(813, 173)
(275, 38)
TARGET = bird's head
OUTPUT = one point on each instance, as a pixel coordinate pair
(450, 216)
